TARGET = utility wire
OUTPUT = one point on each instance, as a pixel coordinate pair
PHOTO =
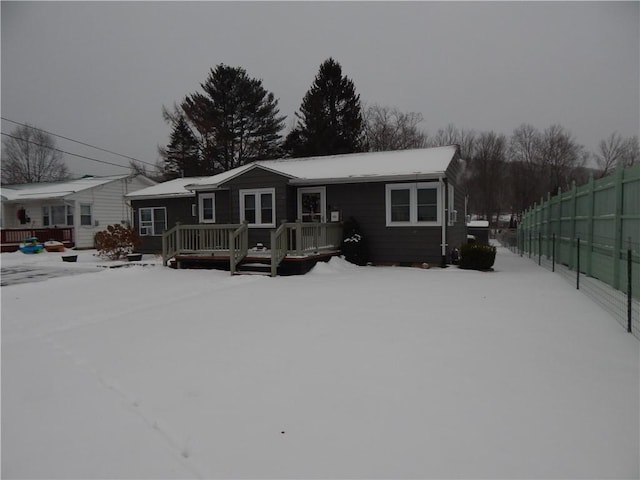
(62, 151)
(77, 141)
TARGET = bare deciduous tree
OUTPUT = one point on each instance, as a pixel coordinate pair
(614, 151)
(388, 129)
(488, 174)
(560, 156)
(525, 167)
(29, 155)
(451, 135)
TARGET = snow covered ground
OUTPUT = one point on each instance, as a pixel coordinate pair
(149, 372)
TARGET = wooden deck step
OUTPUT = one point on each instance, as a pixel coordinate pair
(254, 268)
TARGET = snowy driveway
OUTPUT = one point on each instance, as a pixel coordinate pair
(26, 274)
(345, 372)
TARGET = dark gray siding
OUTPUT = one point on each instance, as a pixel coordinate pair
(178, 210)
(365, 202)
(457, 233)
(228, 201)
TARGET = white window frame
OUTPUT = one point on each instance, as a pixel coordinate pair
(413, 203)
(152, 226)
(47, 213)
(257, 194)
(323, 201)
(90, 215)
(201, 198)
(452, 212)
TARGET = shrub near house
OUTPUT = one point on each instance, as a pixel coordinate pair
(117, 241)
(477, 256)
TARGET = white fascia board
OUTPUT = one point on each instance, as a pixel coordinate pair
(368, 179)
(217, 186)
(162, 195)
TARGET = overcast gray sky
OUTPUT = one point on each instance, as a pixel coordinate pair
(101, 72)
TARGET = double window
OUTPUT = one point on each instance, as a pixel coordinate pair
(152, 221)
(413, 204)
(257, 207)
(57, 215)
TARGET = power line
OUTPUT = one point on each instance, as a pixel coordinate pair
(79, 142)
(62, 151)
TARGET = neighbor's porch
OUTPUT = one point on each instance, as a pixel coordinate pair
(11, 238)
(294, 247)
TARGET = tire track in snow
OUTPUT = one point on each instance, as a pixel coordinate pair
(228, 282)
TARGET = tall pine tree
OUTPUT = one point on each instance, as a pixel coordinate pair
(330, 119)
(236, 119)
(182, 155)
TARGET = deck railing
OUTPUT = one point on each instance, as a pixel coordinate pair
(14, 236)
(307, 238)
(238, 246)
(203, 239)
(292, 238)
(279, 247)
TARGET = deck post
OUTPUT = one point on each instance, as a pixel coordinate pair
(178, 238)
(299, 237)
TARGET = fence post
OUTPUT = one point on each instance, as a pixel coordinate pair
(629, 287)
(539, 248)
(578, 263)
(617, 228)
(591, 214)
(553, 253)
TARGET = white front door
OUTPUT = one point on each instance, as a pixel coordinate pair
(312, 204)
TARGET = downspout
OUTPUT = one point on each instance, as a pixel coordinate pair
(445, 220)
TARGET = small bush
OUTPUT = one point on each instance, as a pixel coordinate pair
(477, 256)
(116, 241)
(354, 244)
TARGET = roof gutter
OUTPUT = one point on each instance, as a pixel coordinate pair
(445, 220)
(366, 179)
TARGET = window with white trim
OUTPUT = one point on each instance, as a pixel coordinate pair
(207, 210)
(152, 221)
(453, 213)
(413, 204)
(85, 215)
(258, 207)
(57, 215)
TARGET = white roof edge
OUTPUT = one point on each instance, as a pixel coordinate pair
(133, 196)
(367, 179)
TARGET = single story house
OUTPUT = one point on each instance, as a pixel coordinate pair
(406, 202)
(70, 211)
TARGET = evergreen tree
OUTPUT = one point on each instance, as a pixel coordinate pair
(330, 118)
(182, 155)
(236, 119)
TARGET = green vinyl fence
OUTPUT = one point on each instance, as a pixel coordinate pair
(593, 229)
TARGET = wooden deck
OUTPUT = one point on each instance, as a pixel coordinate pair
(294, 248)
(253, 262)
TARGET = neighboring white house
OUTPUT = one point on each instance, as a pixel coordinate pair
(86, 205)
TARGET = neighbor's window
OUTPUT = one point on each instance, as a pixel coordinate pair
(257, 207)
(57, 215)
(413, 204)
(85, 215)
(152, 221)
(207, 208)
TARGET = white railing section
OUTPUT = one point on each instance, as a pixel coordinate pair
(238, 246)
(291, 238)
(200, 239)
